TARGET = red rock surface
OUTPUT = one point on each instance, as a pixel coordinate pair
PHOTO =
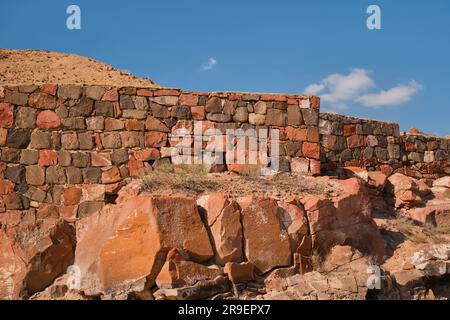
(123, 247)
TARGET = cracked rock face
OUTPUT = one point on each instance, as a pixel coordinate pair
(316, 246)
(344, 219)
(32, 256)
(122, 248)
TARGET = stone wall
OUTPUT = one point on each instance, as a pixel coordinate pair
(377, 145)
(66, 149)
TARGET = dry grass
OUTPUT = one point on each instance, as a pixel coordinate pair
(443, 230)
(194, 180)
(40, 66)
(419, 234)
(190, 179)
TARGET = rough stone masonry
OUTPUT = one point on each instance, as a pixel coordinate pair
(65, 149)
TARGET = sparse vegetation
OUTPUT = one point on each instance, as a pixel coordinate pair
(181, 178)
(194, 180)
(443, 229)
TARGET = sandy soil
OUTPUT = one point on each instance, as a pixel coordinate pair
(39, 67)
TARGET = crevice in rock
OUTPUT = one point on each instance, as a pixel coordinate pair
(204, 219)
(244, 257)
(110, 198)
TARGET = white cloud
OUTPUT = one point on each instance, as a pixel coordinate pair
(337, 87)
(210, 64)
(338, 90)
(391, 97)
(314, 88)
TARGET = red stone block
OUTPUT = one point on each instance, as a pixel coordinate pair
(188, 100)
(98, 141)
(112, 188)
(235, 96)
(145, 92)
(147, 154)
(11, 201)
(155, 139)
(134, 125)
(68, 212)
(296, 134)
(6, 187)
(111, 176)
(10, 217)
(129, 91)
(48, 120)
(49, 88)
(111, 95)
(6, 115)
(100, 159)
(410, 146)
(117, 111)
(3, 134)
(432, 145)
(47, 211)
(349, 129)
(48, 158)
(273, 97)
(218, 94)
(72, 195)
(166, 92)
(355, 141)
(314, 167)
(42, 100)
(311, 150)
(314, 102)
(313, 134)
(198, 113)
(136, 168)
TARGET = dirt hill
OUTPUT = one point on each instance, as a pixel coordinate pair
(40, 66)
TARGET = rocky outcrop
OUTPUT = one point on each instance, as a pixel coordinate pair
(33, 255)
(441, 188)
(224, 221)
(345, 219)
(266, 242)
(122, 248)
(407, 192)
(343, 276)
(424, 274)
(147, 246)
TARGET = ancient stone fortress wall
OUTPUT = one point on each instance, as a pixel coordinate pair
(348, 141)
(66, 149)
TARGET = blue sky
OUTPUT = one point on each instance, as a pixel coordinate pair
(399, 73)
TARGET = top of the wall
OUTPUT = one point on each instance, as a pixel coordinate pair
(350, 119)
(11, 94)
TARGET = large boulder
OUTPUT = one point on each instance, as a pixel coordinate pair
(441, 188)
(426, 273)
(294, 221)
(33, 255)
(177, 274)
(406, 192)
(123, 247)
(434, 212)
(224, 222)
(343, 276)
(345, 219)
(266, 243)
